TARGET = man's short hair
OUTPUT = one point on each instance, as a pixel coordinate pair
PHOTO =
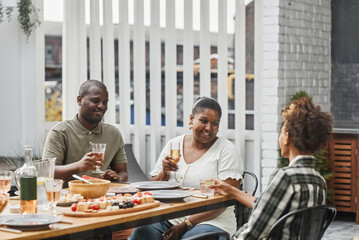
(89, 83)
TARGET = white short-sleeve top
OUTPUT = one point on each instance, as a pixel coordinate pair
(222, 160)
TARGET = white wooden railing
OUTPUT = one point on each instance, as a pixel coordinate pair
(148, 140)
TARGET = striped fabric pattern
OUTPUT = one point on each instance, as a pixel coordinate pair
(294, 187)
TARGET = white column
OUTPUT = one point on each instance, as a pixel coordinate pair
(124, 70)
(109, 61)
(95, 41)
(187, 62)
(240, 77)
(222, 76)
(205, 68)
(155, 83)
(258, 86)
(139, 69)
(22, 85)
(170, 75)
(74, 49)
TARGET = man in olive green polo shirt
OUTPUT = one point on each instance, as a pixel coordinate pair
(70, 141)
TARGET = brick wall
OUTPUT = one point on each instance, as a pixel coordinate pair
(296, 57)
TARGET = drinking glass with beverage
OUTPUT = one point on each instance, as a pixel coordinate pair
(53, 188)
(204, 186)
(99, 149)
(4, 199)
(5, 181)
(175, 154)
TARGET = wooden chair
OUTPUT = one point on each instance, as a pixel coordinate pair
(249, 184)
(307, 223)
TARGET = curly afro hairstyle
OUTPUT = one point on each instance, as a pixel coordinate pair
(308, 127)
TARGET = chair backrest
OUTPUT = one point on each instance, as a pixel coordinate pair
(307, 223)
(249, 184)
(135, 173)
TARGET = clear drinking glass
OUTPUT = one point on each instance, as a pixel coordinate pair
(4, 199)
(5, 181)
(99, 149)
(53, 188)
(175, 154)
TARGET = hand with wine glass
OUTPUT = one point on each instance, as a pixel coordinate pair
(53, 189)
(175, 154)
(99, 150)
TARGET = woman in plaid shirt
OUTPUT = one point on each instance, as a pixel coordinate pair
(306, 129)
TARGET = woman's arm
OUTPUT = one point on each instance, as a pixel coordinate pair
(223, 188)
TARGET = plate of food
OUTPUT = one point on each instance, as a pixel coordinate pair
(68, 199)
(156, 185)
(106, 206)
(170, 195)
(29, 221)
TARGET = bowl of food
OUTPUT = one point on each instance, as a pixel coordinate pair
(95, 189)
(4, 198)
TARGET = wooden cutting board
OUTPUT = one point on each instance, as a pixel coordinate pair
(103, 212)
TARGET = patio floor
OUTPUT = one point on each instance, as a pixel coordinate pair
(343, 227)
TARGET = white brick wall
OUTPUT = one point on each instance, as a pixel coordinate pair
(296, 57)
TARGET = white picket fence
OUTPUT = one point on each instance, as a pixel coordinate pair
(149, 140)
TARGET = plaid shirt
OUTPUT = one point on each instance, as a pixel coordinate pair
(294, 187)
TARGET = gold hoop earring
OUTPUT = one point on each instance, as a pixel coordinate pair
(190, 126)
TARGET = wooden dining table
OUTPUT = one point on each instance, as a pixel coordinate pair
(87, 227)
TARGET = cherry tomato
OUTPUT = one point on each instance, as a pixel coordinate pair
(74, 207)
(94, 206)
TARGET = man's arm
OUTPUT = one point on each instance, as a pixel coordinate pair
(88, 162)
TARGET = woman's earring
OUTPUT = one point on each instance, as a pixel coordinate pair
(190, 126)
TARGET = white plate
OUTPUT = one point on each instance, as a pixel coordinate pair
(176, 195)
(29, 221)
(156, 185)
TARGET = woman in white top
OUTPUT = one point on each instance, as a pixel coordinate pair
(204, 155)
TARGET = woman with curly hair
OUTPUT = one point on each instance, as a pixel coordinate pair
(306, 129)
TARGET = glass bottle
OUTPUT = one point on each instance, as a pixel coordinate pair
(28, 184)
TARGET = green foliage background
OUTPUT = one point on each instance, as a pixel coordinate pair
(322, 164)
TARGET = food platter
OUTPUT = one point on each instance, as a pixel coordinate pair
(29, 221)
(170, 195)
(156, 185)
(109, 213)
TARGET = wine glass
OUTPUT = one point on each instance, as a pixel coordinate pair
(4, 199)
(99, 149)
(5, 186)
(53, 188)
(5, 181)
(175, 154)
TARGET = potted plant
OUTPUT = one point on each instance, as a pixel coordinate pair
(28, 15)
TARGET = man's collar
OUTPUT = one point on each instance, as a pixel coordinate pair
(84, 130)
